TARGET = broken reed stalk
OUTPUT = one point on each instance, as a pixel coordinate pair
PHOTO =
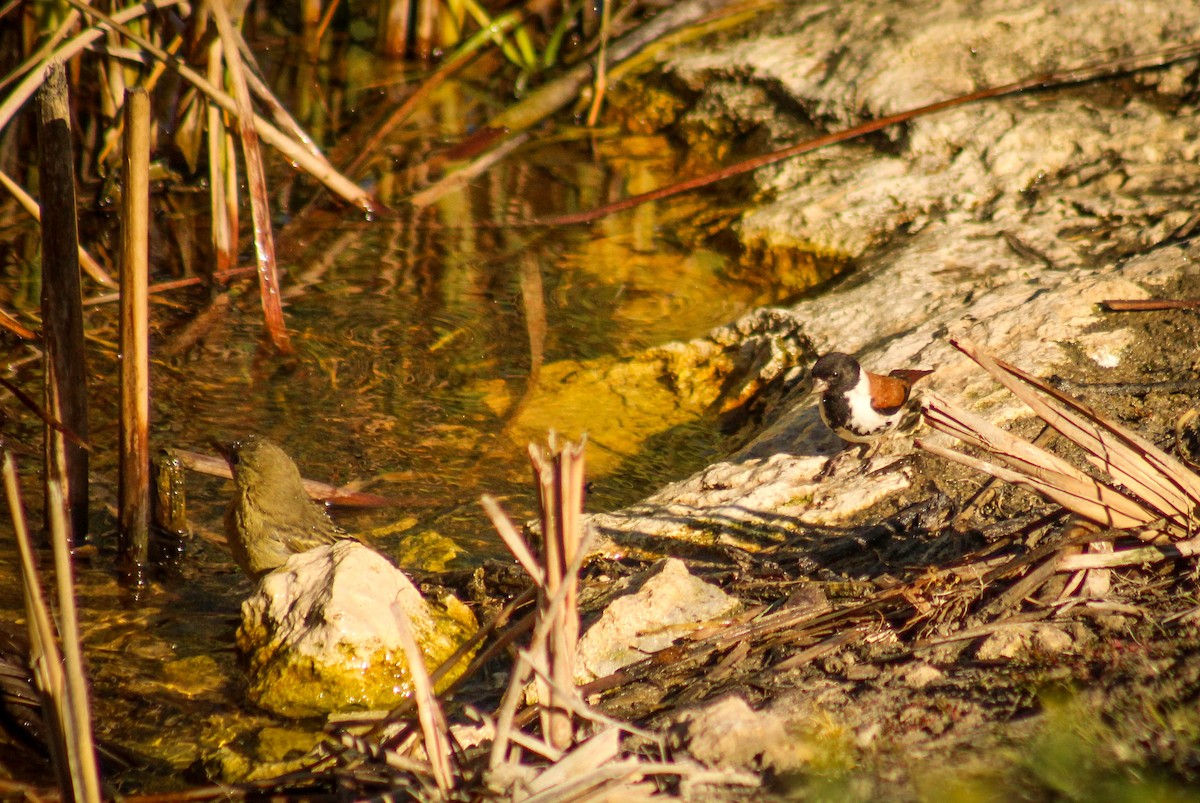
(559, 478)
(134, 454)
(256, 179)
(64, 693)
(65, 369)
(506, 734)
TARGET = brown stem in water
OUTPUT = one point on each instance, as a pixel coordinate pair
(134, 476)
(65, 374)
(256, 178)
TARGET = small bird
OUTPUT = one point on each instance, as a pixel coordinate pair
(857, 405)
(271, 517)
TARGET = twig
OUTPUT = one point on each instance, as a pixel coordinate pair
(1149, 304)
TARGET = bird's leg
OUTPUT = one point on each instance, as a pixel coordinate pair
(866, 451)
(836, 460)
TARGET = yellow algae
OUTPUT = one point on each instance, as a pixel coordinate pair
(620, 404)
(294, 685)
(194, 675)
(427, 551)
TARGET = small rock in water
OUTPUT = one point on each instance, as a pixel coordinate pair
(321, 632)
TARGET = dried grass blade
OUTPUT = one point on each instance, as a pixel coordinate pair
(512, 539)
(1105, 506)
(983, 434)
(1157, 478)
(429, 711)
(1044, 468)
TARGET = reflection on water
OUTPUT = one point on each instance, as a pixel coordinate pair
(423, 351)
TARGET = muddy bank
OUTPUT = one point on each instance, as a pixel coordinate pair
(899, 647)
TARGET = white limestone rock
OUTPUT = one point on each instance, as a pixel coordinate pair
(321, 632)
(665, 603)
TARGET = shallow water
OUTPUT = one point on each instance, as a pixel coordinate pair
(429, 351)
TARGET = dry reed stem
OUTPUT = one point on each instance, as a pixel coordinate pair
(1152, 492)
(79, 722)
(1152, 488)
(134, 451)
(560, 481)
(45, 661)
(60, 677)
(1080, 493)
(222, 171)
(64, 374)
(318, 167)
(1153, 475)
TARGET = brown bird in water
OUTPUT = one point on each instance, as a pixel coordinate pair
(271, 517)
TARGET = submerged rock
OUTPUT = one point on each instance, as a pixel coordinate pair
(321, 632)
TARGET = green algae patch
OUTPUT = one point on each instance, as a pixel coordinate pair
(268, 753)
(197, 674)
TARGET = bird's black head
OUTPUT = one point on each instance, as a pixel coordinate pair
(835, 371)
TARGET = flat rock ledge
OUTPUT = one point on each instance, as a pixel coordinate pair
(321, 633)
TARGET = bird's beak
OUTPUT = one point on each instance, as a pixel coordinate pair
(820, 386)
(222, 448)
